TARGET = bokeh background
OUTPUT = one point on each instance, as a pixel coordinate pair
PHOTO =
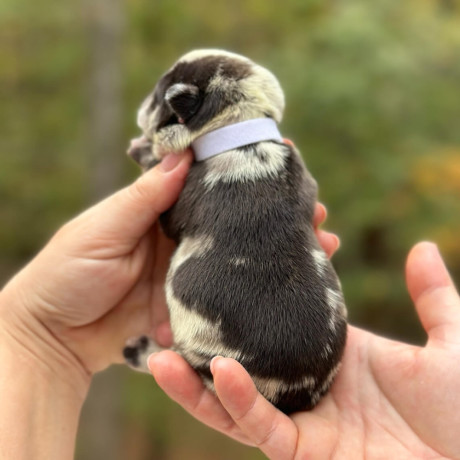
(373, 103)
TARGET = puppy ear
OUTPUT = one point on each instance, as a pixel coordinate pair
(184, 100)
(214, 102)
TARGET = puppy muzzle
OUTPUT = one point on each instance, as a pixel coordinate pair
(138, 147)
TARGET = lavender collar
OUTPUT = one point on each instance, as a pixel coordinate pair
(233, 136)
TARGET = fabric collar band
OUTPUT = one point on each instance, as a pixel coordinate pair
(233, 136)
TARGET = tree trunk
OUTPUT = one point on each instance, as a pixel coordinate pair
(101, 424)
(105, 28)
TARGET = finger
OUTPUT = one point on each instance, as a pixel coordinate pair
(182, 384)
(320, 215)
(126, 216)
(135, 208)
(268, 428)
(328, 241)
(163, 334)
(434, 294)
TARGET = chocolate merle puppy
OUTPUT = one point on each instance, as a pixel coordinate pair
(248, 279)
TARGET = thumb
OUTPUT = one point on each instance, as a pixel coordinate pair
(273, 432)
(434, 294)
(123, 218)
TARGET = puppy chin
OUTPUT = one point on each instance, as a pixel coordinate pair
(171, 139)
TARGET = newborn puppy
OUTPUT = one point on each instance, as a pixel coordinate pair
(248, 279)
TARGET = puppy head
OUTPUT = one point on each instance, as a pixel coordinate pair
(205, 90)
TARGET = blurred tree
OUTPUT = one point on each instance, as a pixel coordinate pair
(102, 420)
(105, 27)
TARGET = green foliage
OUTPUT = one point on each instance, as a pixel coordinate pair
(372, 102)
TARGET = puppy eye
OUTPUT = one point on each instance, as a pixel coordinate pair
(172, 120)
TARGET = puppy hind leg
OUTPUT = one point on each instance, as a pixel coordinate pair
(137, 350)
(200, 362)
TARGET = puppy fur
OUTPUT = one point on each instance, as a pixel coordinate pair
(248, 279)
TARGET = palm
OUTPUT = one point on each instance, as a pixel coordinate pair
(129, 301)
(368, 412)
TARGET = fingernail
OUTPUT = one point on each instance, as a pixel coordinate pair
(150, 358)
(324, 211)
(336, 242)
(433, 248)
(213, 363)
(170, 162)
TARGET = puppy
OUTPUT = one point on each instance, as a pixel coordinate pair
(248, 279)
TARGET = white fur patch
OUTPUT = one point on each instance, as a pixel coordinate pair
(326, 352)
(315, 397)
(202, 53)
(189, 247)
(239, 261)
(334, 299)
(265, 92)
(271, 387)
(320, 259)
(240, 166)
(337, 305)
(327, 383)
(194, 333)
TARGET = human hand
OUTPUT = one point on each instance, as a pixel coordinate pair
(389, 400)
(96, 282)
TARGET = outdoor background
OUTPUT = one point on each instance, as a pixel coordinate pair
(373, 103)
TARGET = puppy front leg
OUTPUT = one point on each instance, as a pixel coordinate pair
(171, 139)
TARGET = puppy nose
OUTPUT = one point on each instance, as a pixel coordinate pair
(138, 144)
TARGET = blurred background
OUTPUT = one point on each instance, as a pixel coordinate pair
(373, 103)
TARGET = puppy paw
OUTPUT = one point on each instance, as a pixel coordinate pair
(137, 350)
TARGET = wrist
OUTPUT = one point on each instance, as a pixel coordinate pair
(42, 389)
(39, 416)
(29, 341)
